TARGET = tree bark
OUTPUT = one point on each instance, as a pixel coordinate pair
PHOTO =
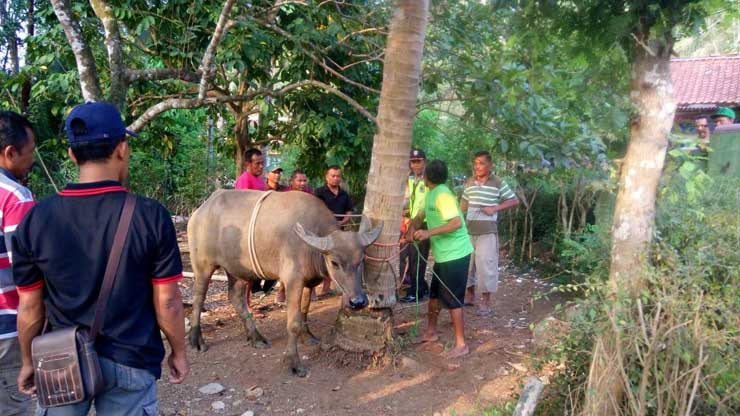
(634, 214)
(388, 173)
(89, 82)
(10, 29)
(117, 92)
(31, 28)
(241, 133)
(207, 67)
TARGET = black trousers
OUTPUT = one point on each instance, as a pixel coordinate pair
(411, 258)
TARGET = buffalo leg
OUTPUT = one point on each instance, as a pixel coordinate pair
(307, 337)
(236, 296)
(200, 288)
(293, 291)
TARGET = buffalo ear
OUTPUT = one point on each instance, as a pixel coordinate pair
(366, 235)
(323, 244)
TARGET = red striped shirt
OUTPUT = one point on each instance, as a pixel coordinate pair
(15, 201)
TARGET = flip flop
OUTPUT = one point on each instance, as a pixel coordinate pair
(452, 354)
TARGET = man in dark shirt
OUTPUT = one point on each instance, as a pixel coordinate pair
(60, 252)
(274, 173)
(338, 202)
(335, 198)
(299, 181)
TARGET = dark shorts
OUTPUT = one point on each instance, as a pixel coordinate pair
(449, 281)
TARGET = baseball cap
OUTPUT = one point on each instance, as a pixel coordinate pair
(417, 154)
(724, 112)
(274, 168)
(95, 121)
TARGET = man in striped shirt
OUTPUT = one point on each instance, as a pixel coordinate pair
(484, 196)
(17, 142)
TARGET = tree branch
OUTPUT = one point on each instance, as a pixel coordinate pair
(207, 68)
(647, 48)
(181, 103)
(313, 57)
(104, 12)
(381, 30)
(89, 83)
(159, 74)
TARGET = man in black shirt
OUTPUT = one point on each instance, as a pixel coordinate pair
(335, 198)
(60, 252)
(338, 202)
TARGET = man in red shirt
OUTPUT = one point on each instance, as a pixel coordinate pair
(254, 166)
(17, 142)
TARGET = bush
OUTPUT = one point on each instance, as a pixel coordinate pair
(679, 338)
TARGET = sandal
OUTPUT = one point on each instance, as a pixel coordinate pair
(456, 353)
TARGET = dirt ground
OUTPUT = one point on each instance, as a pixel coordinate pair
(417, 382)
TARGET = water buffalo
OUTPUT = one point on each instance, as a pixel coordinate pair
(296, 240)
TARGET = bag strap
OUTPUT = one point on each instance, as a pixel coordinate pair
(112, 267)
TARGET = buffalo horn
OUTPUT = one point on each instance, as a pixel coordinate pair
(366, 235)
(323, 244)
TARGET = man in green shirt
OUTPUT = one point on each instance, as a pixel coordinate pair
(451, 247)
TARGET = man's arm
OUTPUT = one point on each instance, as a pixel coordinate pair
(501, 207)
(348, 209)
(464, 205)
(31, 312)
(509, 197)
(445, 228)
(171, 320)
(346, 218)
(418, 220)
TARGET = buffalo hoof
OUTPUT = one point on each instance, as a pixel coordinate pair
(295, 366)
(307, 338)
(195, 339)
(256, 340)
(299, 371)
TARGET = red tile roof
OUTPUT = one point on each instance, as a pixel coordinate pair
(705, 83)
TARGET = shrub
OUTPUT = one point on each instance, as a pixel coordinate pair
(679, 339)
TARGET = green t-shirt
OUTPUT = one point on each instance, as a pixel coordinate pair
(440, 207)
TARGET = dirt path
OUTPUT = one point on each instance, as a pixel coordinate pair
(420, 383)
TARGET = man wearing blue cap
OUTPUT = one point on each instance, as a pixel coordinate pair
(60, 253)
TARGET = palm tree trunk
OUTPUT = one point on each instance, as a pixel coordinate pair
(370, 329)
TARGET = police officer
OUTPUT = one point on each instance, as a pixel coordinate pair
(413, 203)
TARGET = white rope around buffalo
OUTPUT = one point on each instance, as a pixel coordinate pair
(250, 236)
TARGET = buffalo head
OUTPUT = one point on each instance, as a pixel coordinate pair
(343, 253)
